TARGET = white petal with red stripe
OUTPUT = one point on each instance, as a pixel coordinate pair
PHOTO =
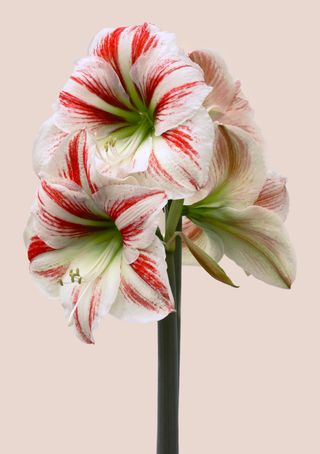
(124, 46)
(135, 211)
(74, 160)
(180, 158)
(237, 172)
(88, 302)
(145, 293)
(226, 102)
(65, 212)
(93, 97)
(172, 86)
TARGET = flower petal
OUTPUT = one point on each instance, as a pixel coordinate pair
(65, 212)
(172, 86)
(74, 161)
(226, 103)
(145, 293)
(124, 46)
(180, 158)
(207, 241)
(256, 240)
(274, 195)
(46, 144)
(237, 171)
(87, 303)
(135, 211)
(92, 98)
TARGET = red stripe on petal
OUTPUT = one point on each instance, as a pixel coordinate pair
(120, 206)
(181, 139)
(52, 273)
(146, 268)
(94, 302)
(156, 167)
(37, 247)
(108, 50)
(69, 204)
(172, 97)
(75, 297)
(62, 227)
(87, 112)
(135, 297)
(72, 159)
(142, 42)
(93, 187)
(96, 87)
(163, 70)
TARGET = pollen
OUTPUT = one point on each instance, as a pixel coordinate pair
(75, 277)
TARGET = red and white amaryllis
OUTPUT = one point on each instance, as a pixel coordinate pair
(142, 98)
(92, 243)
(241, 209)
(243, 214)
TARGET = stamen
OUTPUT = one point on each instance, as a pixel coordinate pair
(74, 277)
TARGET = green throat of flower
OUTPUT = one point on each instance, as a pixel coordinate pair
(132, 134)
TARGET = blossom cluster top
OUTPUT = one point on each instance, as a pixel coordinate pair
(141, 125)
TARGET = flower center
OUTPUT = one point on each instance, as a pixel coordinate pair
(121, 145)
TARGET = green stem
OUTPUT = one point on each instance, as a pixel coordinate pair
(169, 363)
(173, 217)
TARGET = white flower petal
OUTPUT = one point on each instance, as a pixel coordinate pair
(135, 211)
(46, 144)
(226, 103)
(180, 159)
(172, 86)
(205, 240)
(256, 240)
(74, 160)
(274, 195)
(145, 293)
(65, 212)
(88, 302)
(237, 171)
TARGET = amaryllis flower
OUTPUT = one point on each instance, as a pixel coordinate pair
(141, 97)
(94, 244)
(242, 216)
(226, 103)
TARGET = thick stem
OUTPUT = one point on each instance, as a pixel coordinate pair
(168, 365)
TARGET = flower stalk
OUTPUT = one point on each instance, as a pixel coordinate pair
(169, 347)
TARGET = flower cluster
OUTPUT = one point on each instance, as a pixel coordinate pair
(141, 125)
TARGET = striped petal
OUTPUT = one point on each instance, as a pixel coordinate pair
(135, 211)
(256, 240)
(145, 293)
(86, 303)
(206, 240)
(124, 46)
(65, 212)
(48, 141)
(48, 266)
(74, 161)
(92, 98)
(172, 86)
(180, 158)
(237, 171)
(226, 102)
(274, 195)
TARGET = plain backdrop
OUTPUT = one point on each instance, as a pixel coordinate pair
(250, 356)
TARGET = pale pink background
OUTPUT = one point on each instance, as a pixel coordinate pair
(250, 357)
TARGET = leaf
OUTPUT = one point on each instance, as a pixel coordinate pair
(209, 264)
